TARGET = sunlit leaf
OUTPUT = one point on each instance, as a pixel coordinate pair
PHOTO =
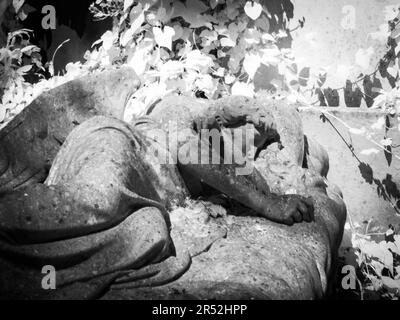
(251, 64)
(107, 39)
(25, 69)
(253, 9)
(386, 142)
(243, 89)
(137, 18)
(392, 71)
(191, 12)
(198, 61)
(391, 283)
(17, 4)
(128, 4)
(164, 37)
(3, 112)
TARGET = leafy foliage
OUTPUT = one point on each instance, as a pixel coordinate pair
(20, 63)
(378, 262)
(207, 48)
(193, 47)
(18, 59)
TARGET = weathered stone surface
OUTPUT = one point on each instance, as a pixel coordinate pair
(257, 259)
(100, 216)
(30, 142)
(260, 259)
(86, 219)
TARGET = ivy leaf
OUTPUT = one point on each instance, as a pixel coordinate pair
(164, 37)
(380, 101)
(322, 78)
(392, 246)
(107, 39)
(28, 50)
(304, 76)
(178, 32)
(24, 70)
(263, 23)
(171, 69)
(17, 4)
(137, 19)
(227, 42)
(391, 283)
(192, 13)
(243, 89)
(388, 155)
(232, 9)
(236, 56)
(22, 15)
(379, 251)
(296, 97)
(387, 142)
(139, 58)
(206, 84)
(208, 37)
(392, 71)
(128, 4)
(252, 36)
(3, 112)
(214, 3)
(151, 92)
(231, 34)
(397, 242)
(162, 15)
(268, 37)
(219, 73)
(270, 56)
(229, 79)
(282, 34)
(251, 63)
(197, 60)
(253, 9)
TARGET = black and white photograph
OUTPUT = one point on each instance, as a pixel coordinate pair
(220, 151)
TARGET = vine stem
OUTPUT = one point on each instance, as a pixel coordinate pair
(361, 289)
(58, 48)
(348, 127)
(394, 206)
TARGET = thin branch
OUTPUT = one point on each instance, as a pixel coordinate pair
(367, 138)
